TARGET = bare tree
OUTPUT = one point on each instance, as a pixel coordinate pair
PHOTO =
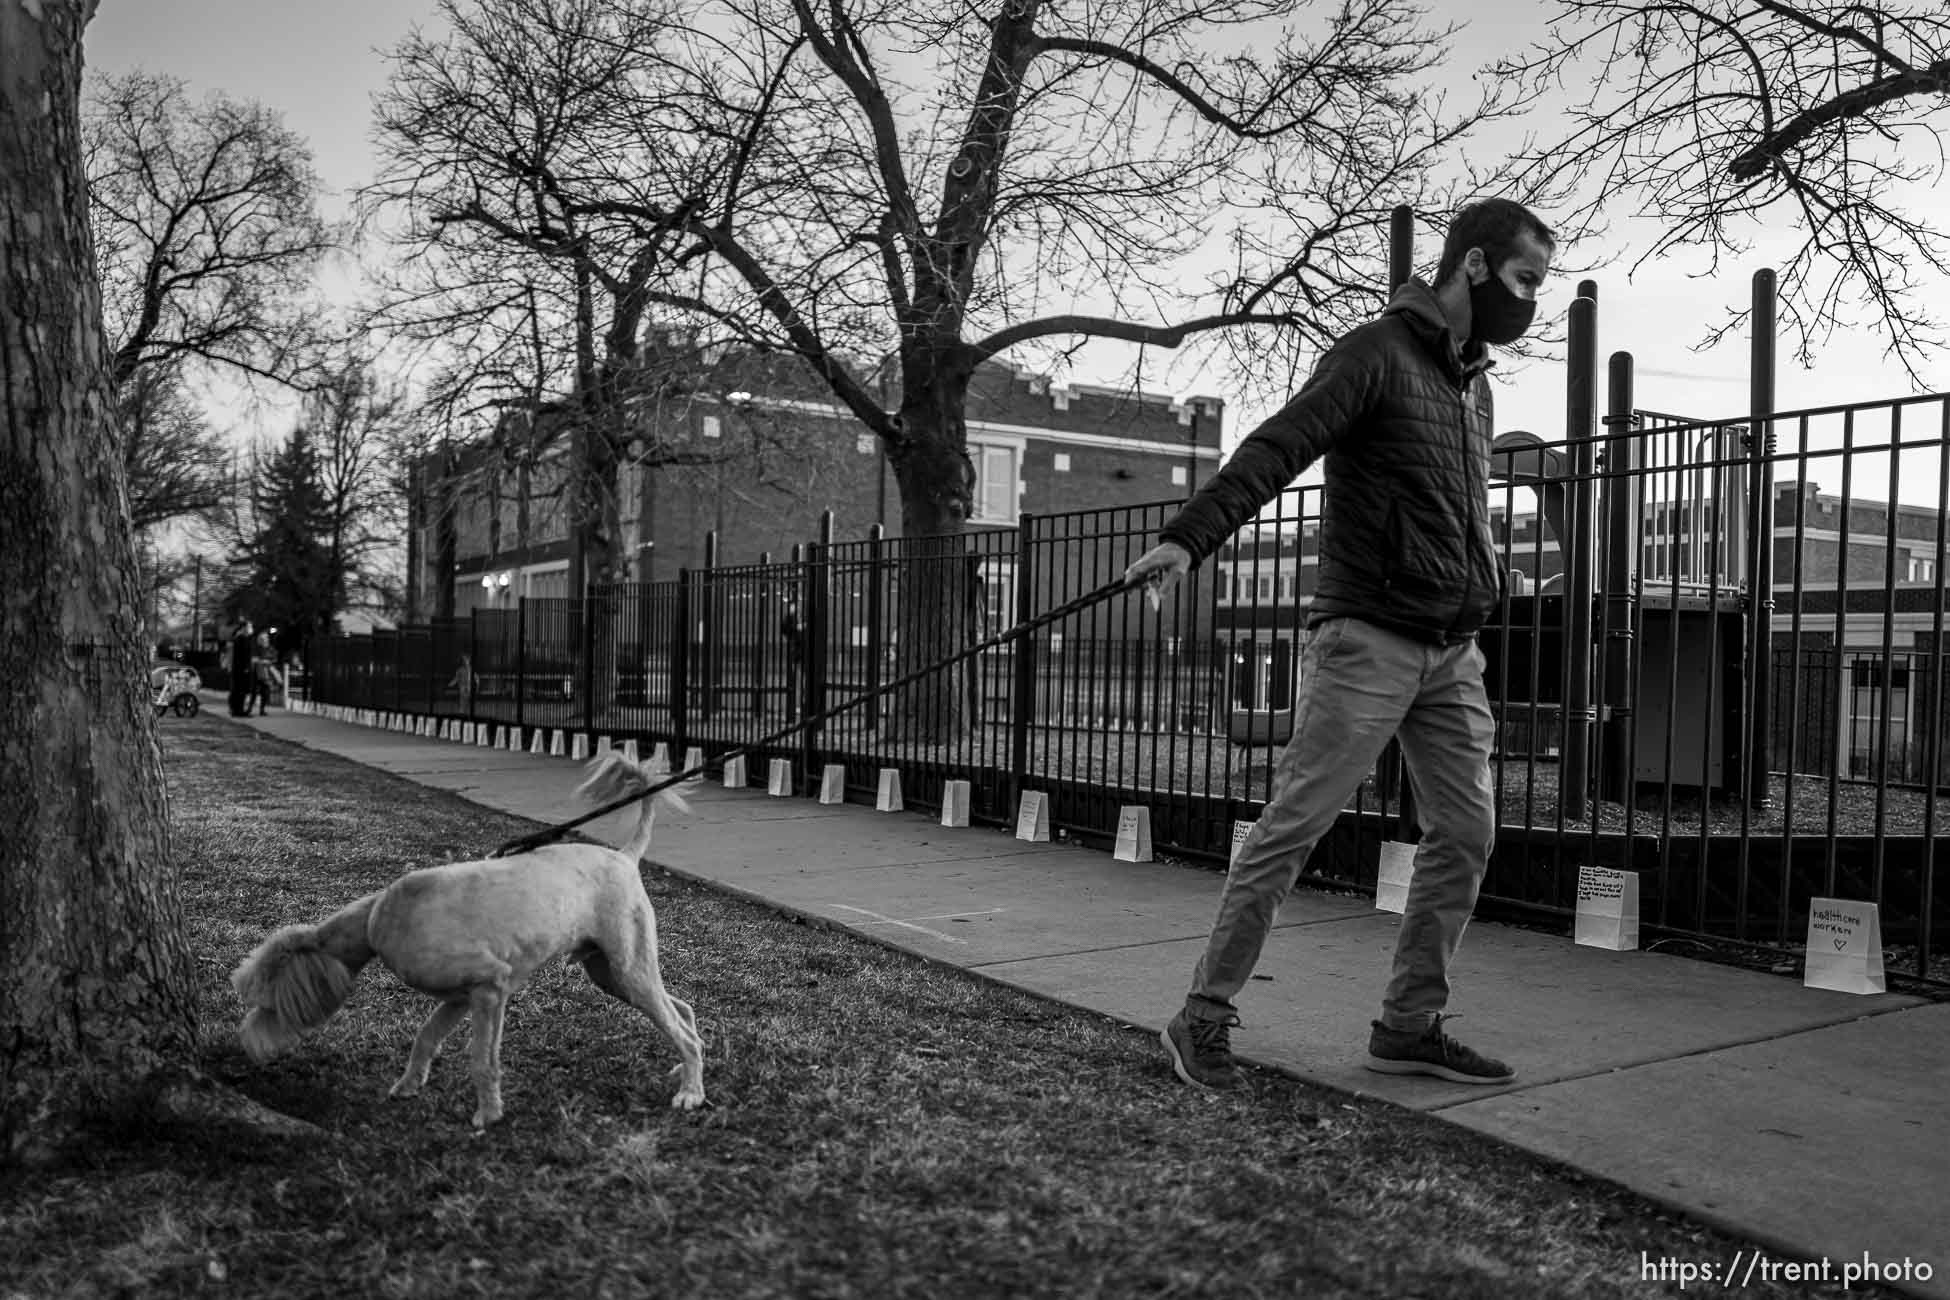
(475, 125)
(177, 466)
(359, 424)
(97, 995)
(206, 227)
(1713, 117)
(946, 184)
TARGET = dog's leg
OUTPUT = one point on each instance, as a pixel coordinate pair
(628, 969)
(442, 1022)
(488, 1005)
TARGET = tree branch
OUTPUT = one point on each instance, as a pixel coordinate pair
(1861, 100)
(1241, 127)
(1106, 327)
(805, 339)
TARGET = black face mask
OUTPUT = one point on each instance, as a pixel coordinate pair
(1496, 315)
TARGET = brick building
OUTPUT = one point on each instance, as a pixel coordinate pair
(757, 454)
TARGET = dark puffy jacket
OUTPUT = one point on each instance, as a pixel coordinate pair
(1405, 539)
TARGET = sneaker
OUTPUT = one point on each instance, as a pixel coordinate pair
(1201, 1051)
(1403, 1051)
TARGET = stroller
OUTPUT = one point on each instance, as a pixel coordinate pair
(173, 689)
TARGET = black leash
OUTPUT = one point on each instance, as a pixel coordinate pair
(549, 834)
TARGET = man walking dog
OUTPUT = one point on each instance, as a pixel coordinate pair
(1408, 573)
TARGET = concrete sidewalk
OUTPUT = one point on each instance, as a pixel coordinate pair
(1807, 1121)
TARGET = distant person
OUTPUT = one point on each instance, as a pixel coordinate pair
(264, 665)
(792, 630)
(1408, 574)
(462, 682)
(242, 678)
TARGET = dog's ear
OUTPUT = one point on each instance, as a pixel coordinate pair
(264, 1035)
(292, 977)
(609, 776)
(315, 984)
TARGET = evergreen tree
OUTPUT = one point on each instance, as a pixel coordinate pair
(294, 584)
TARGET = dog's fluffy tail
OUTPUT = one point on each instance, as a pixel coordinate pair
(299, 977)
(612, 776)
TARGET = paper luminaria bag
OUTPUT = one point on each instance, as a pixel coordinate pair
(1608, 909)
(1391, 881)
(954, 802)
(1240, 830)
(1032, 817)
(1133, 834)
(1844, 946)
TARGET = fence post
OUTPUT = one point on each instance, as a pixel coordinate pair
(521, 661)
(680, 665)
(792, 657)
(876, 645)
(472, 681)
(815, 630)
(1581, 397)
(1624, 524)
(1760, 541)
(708, 642)
(1023, 701)
(586, 654)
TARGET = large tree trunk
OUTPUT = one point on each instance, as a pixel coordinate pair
(932, 469)
(95, 990)
(97, 1006)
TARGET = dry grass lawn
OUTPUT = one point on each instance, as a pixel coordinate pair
(881, 1127)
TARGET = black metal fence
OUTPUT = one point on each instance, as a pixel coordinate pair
(1628, 669)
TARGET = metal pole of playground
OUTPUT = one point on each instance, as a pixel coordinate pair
(1580, 419)
(1760, 544)
(1390, 776)
(1624, 520)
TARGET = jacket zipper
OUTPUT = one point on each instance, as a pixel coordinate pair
(1469, 508)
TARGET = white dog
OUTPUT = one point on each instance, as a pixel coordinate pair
(470, 934)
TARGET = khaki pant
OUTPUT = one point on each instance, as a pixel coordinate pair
(1360, 686)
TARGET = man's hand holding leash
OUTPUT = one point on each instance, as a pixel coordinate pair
(1157, 569)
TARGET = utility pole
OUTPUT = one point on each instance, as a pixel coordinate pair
(1191, 453)
(196, 607)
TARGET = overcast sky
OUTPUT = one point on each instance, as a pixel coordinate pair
(320, 64)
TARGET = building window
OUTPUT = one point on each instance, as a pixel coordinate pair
(864, 444)
(998, 593)
(1922, 568)
(1876, 742)
(995, 483)
(550, 519)
(545, 581)
(711, 426)
(471, 525)
(1178, 476)
(1062, 462)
